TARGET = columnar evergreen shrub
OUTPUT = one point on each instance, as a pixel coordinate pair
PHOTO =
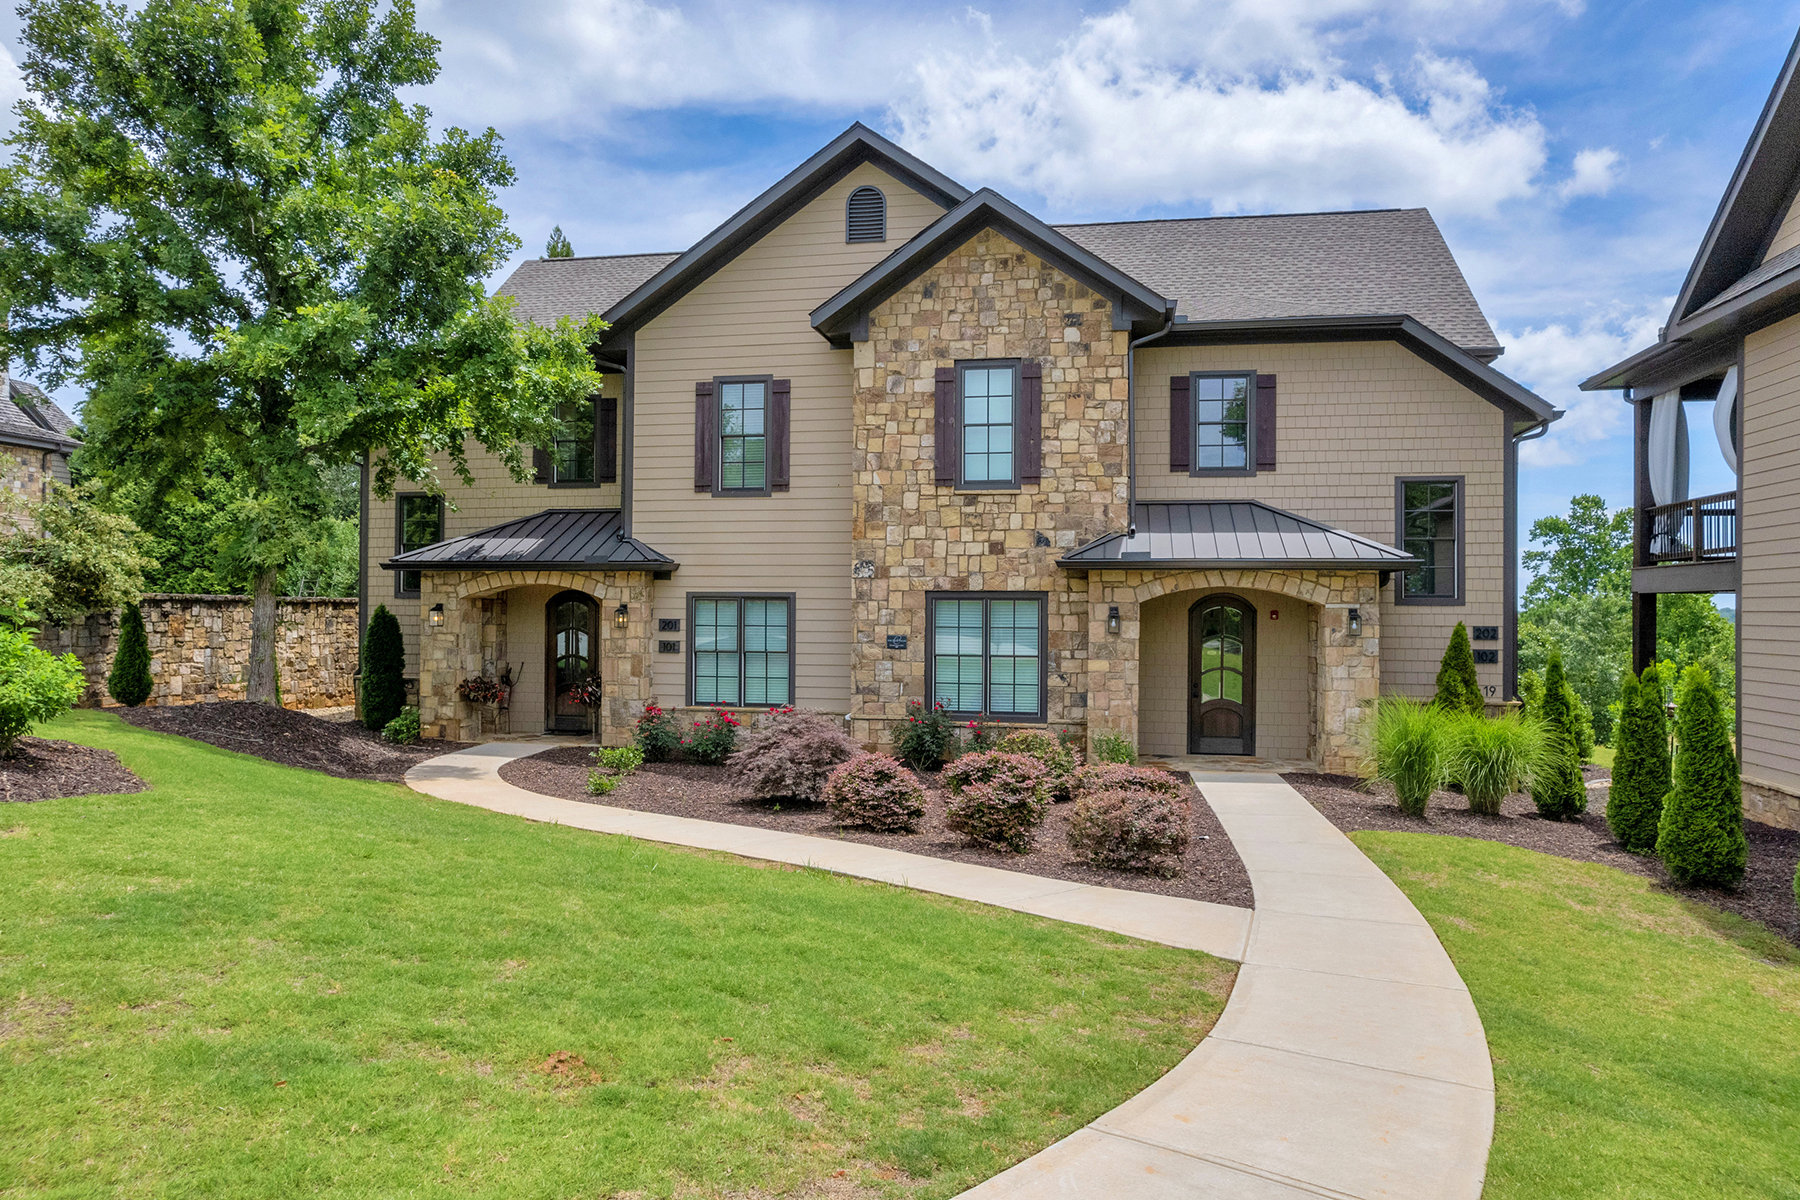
(997, 799)
(1557, 787)
(1640, 775)
(1117, 777)
(1058, 759)
(35, 685)
(1581, 724)
(877, 792)
(1701, 835)
(383, 690)
(1531, 693)
(790, 752)
(1492, 757)
(1131, 830)
(1458, 690)
(129, 680)
(1408, 745)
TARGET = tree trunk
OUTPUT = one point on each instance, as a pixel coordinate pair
(260, 682)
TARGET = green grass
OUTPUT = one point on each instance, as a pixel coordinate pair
(252, 980)
(1603, 757)
(1643, 1046)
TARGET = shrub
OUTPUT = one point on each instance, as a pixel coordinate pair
(1493, 757)
(1133, 830)
(620, 760)
(656, 734)
(925, 740)
(1114, 748)
(383, 690)
(1556, 786)
(1531, 694)
(1409, 746)
(876, 791)
(1701, 836)
(1058, 759)
(129, 681)
(35, 685)
(790, 752)
(997, 799)
(403, 730)
(600, 783)
(1458, 689)
(1640, 777)
(1581, 725)
(712, 740)
(979, 737)
(1095, 778)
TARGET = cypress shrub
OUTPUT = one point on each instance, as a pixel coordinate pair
(1640, 777)
(383, 691)
(1531, 694)
(129, 681)
(1701, 835)
(1556, 787)
(1457, 688)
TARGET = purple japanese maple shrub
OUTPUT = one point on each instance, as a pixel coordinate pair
(790, 752)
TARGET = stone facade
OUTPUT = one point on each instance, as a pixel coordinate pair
(27, 472)
(199, 646)
(1771, 805)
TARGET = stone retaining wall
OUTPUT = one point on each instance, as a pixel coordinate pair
(199, 646)
(1770, 804)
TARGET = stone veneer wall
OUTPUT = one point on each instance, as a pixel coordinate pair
(199, 646)
(1771, 805)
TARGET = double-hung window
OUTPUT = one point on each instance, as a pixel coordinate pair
(744, 435)
(1223, 422)
(987, 653)
(743, 650)
(988, 395)
(572, 453)
(1428, 513)
(420, 523)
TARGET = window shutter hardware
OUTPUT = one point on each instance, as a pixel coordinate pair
(1265, 422)
(1028, 431)
(606, 439)
(1181, 425)
(780, 410)
(944, 428)
(706, 435)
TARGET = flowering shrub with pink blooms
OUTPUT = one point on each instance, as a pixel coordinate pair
(790, 752)
(997, 799)
(1115, 777)
(1131, 829)
(876, 791)
(712, 740)
(657, 735)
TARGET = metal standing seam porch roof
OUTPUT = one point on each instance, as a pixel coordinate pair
(1235, 533)
(574, 538)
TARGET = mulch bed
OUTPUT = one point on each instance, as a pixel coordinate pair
(1766, 895)
(48, 770)
(289, 737)
(1211, 870)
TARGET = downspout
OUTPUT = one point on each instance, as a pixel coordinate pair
(624, 440)
(1131, 425)
(1509, 675)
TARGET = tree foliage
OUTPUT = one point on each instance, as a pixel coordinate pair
(1556, 786)
(1701, 835)
(65, 556)
(382, 690)
(1587, 553)
(558, 245)
(35, 686)
(129, 681)
(1458, 688)
(1640, 775)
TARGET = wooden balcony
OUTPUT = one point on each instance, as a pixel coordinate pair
(1704, 529)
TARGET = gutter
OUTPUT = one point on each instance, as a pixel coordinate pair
(1131, 422)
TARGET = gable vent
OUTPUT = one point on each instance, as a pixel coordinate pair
(865, 216)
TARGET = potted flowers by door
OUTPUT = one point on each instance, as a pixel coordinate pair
(589, 694)
(484, 694)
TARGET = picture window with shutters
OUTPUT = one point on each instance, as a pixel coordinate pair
(1222, 423)
(865, 216)
(741, 435)
(987, 653)
(741, 650)
(419, 522)
(1428, 519)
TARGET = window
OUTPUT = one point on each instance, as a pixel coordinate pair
(1429, 515)
(988, 391)
(865, 216)
(572, 454)
(420, 523)
(1222, 422)
(743, 435)
(987, 654)
(742, 650)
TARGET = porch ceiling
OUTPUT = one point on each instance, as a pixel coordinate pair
(569, 538)
(1242, 534)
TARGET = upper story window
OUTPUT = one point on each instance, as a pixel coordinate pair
(420, 523)
(1223, 422)
(865, 216)
(572, 454)
(988, 392)
(1429, 516)
(743, 435)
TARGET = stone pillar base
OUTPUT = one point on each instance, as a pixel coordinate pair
(1771, 805)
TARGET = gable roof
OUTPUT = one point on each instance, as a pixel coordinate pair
(1234, 533)
(1300, 265)
(548, 288)
(556, 537)
(28, 417)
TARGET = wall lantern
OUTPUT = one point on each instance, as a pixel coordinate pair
(1355, 622)
(621, 615)
(436, 615)
(1112, 619)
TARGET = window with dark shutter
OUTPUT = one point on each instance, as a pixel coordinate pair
(780, 413)
(1265, 422)
(540, 465)
(865, 216)
(606, 441)
(706, 436)
(947, 441)
(1181, 425)
(1028, 433)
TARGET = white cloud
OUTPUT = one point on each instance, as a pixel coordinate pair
(1553, 360)
(1594, 174)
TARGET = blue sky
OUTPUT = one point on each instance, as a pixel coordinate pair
(1572, 152)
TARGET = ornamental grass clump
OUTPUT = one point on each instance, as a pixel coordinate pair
(1131, 830)
(1701, 836)
(129, 680)
(997, 799)
(1409, 746)
(790, 752)
(712, 740)
(1059, 760)
(1556, 786)
(877, 792)
(656, 734)
(1640, 775)
(1493, 757)
(1095, 778)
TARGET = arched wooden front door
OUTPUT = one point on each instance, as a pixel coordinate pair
(572, 620)
(1222, 676)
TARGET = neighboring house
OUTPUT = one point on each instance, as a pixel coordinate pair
(35, 441)
(880, 439)
(1734, 338)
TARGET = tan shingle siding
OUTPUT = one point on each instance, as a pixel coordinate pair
(1787, 234)
(1769, 593)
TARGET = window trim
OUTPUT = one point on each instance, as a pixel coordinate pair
(963, 366)
(866, 187)
(1043, 600)
(1195, 470)
(594, 402)
(793, 655)
(718, 403)
(1462, 555)
(400, 498)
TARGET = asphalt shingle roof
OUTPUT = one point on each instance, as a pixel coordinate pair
(1231, 532)
(556, 537)
(25, 411)
(548, 288)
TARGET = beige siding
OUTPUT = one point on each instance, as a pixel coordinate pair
(751, 317)
(1284, 675)
(1769, 593)
(1352, 417)
(1787, 236)
(525, 646)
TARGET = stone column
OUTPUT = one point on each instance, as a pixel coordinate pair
(1349, 670)
(625, 653)
(1112, 661)
(448, 653)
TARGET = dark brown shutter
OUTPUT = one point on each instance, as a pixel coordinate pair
(780, 409)
(1181, 424)
(706, 435)
(606, 439)
(1265, 422)
(540, 463)
(945, 426)
(1028, 430)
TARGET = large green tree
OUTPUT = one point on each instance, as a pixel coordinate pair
(222, 220)
(1579, 601)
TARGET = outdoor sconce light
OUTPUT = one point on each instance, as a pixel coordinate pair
(1112, 619)
(621, 615)
(1355, 622)
(436, 615)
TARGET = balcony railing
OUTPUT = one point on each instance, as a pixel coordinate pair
(1690, 531)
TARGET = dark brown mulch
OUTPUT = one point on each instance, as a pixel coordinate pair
(1766, 895)
(289, 737)
(1211, 870)
(48, 770)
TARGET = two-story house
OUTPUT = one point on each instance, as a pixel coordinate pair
(1734, 339)
(36, 439)
(879, 438)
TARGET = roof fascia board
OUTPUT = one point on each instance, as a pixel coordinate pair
(39, 441)
(1695, 347)
(1241, 564)
(549, 564)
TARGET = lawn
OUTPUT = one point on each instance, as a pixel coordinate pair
(255, 980)
(1644, 1046)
